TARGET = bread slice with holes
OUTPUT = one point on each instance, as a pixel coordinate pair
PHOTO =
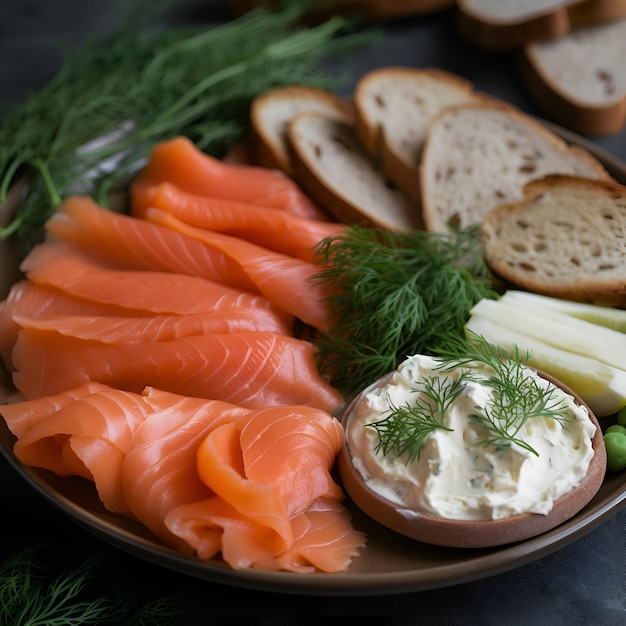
(579, 80)
(565, 238)
(333, 167)
(271, 112)
(394, 106)
(498, 25)
(478, 156)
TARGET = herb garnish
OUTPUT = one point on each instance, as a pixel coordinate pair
(145, 84)
(30, 598)
(406, 429)
(516, 398)
(395, 294)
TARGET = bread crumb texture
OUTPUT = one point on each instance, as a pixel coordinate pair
(567, 239)
(479, 158)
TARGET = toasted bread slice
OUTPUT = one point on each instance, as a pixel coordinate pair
(331, 164)
(579, 80)
(478, 156)
(394, 106)
(564, 239)
(271, 112)
(497, 25)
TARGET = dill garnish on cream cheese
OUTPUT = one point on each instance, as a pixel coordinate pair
(476, 438)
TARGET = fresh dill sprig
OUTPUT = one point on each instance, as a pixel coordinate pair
(30, 598)
(516, 397)
(406, 429)
(395, 294)
(145, 84)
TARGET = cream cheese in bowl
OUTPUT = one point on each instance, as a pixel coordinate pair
(442, 455)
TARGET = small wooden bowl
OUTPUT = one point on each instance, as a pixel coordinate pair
(463, 533)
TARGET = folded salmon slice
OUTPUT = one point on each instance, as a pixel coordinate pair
(270, 474)
(55, 265)
(88, 437)
(127, 242)
(273, 228)
(286, 281)
(180, 162)
(159, 473)
(22, 416)
(252, 369)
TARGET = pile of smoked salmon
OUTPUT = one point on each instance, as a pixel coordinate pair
(160, 355)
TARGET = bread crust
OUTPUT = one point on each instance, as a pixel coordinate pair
(522, 239)
(489, 33)
(391, 208)
(270, 136)
(566, 108)
(374, 133)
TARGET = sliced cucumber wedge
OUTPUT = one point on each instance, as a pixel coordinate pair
(593, 313)
(601, 386)
(556, 329)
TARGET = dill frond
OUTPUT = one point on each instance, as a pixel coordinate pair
(393, 295)
(154, 83)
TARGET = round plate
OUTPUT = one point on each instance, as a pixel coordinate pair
(390, 563)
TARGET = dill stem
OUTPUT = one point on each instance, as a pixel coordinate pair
(43, 170)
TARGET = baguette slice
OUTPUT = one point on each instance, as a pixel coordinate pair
(478, 156)
(271, 112)
(394, 106)
(579, 80)
(565, 239)
(499, 25)
(333, 167)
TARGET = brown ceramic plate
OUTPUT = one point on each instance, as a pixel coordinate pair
(391, 563)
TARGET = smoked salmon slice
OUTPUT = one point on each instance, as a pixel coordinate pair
(251, 369)
(269, 227)
(159, 473)
(126, 242)
(88, 437)
(180, 162)
(266, 471)
(123, 329)
(286, 281)
(28, 300)
(22, 416)
(55, 265)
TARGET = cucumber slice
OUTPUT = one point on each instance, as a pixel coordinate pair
(557, 329)
(601, 386)
(593, 313)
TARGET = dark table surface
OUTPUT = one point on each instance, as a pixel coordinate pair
(582, 583)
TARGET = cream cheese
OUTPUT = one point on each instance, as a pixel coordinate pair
(456, 476)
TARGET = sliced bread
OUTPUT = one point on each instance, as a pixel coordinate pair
(510, 24)
(394, 106)
(478, 156)
(271, 112)
(579, 80)
(566, 239)
(333, 167)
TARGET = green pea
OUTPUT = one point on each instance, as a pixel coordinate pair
(616, 428)
(621, 416)
(615, 444)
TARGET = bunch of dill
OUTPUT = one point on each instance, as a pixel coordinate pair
(394, 294)
(146, 84)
